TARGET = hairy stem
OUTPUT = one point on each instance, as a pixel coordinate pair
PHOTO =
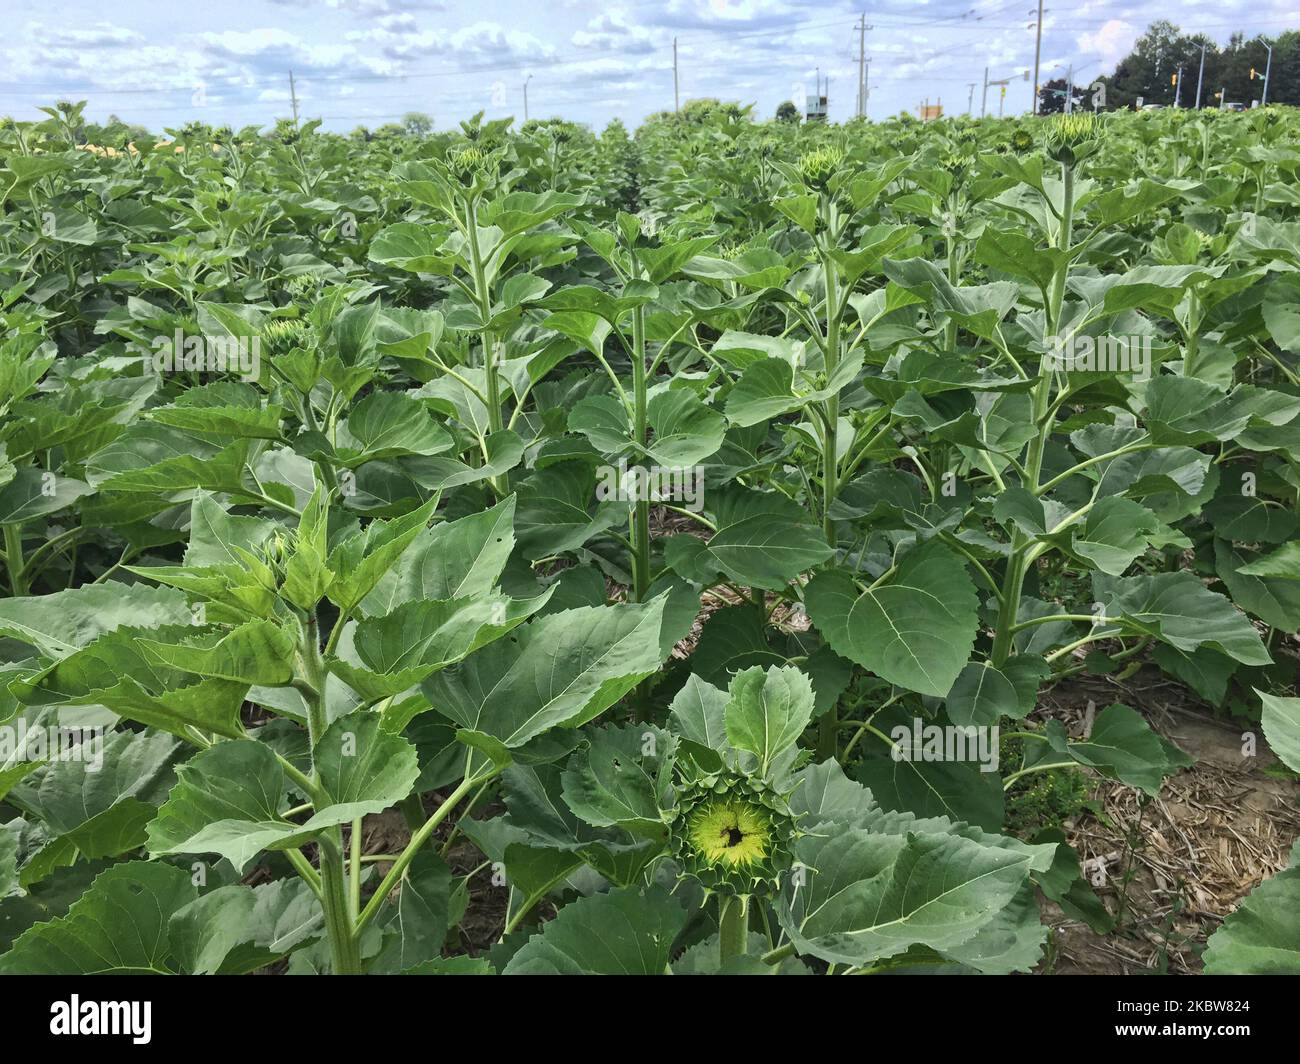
(412, 848)
(831, 408)
(483, 296)
(640, 431)
(345, 953)
(14, 559)
(1019, 561)
(733, 927)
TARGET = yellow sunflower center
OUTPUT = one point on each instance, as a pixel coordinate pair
(730, 832)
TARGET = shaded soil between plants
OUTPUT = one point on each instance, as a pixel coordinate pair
(1176, 866)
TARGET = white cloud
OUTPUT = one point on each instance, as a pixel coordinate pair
(1111, 43)
(614, 30)
(100, 35)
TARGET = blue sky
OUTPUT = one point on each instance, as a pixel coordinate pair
(369, 61)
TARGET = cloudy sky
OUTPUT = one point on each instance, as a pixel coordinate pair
(369, 61)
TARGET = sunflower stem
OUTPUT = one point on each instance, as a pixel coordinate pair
(733, 927)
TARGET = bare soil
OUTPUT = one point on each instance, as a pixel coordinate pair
(1176, 866)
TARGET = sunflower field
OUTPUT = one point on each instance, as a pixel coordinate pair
(730, 546)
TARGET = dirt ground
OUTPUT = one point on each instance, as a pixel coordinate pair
(1217, 829)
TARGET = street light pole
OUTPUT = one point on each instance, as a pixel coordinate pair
(1038, 51)
(1267, 69)
(677, 103)
(526, 81)
(1199, 78)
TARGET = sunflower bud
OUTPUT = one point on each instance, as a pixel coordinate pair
(1022, 141)
(733, 833)
(266, 564)
(819, 166)
(467, 164)
(957, 163)
(1069, 137)
(282, 336)
(301, 285)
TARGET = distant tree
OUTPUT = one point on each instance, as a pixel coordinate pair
(1088, 96)
(1284, 83)
(1150, 71)
(1051, 97)
(417, 123)
(788, 112)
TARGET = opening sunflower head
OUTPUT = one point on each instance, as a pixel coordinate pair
(733, 833)
(730, 832)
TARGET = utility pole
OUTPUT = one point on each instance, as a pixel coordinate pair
(676, 100)
(293, 95)
(1200, 76)
(866, 88)
(1069, 90)
(984, 99)
(526, 81)
(862, 65)
(862, 59)
(970, 98)
(1038, 51)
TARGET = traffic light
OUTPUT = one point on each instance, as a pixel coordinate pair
(1173, 79)
(1252, 74)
